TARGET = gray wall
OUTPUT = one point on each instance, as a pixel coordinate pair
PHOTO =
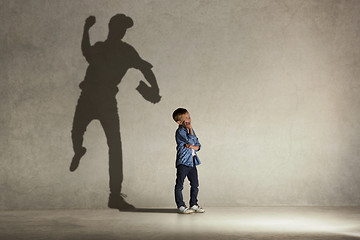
(272, 87)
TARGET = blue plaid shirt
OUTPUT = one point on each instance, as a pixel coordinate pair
(184, 155)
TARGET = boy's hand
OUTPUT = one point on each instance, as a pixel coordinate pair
(89, 22)
(195, 147)
(188, 125)
(188, 145)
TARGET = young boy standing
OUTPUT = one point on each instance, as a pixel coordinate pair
(186, 161)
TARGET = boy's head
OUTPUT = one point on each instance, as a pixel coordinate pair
(182, 116)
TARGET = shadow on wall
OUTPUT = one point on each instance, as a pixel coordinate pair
(108, 63)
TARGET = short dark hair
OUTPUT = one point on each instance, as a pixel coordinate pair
(178, 112)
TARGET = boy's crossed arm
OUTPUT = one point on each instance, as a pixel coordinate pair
(188, 138)
(191, 132)
(195, 147)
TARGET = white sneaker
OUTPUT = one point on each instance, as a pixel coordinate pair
(185, 210)
(197, 209)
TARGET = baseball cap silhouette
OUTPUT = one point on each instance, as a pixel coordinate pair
(120, 21)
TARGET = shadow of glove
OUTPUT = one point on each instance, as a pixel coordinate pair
(150, 94)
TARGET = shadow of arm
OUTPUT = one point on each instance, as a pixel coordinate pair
(85, 42)
(151, 93)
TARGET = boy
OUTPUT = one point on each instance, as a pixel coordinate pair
(186, 161)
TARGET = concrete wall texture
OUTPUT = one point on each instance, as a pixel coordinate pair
(272, 87)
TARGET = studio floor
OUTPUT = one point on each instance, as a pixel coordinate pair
(163, 223)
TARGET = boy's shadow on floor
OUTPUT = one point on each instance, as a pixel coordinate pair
(151, 210)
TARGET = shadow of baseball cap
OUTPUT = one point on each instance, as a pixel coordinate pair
(120, 21)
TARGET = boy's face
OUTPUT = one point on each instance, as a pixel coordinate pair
(185, 119)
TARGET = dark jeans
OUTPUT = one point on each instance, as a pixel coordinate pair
(191, 173)
(99, 105)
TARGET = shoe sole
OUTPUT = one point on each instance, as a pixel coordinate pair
(189, 211)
